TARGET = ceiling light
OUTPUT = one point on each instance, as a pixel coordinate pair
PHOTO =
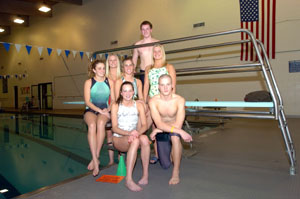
(3, 191)
(44, 8)
(19, 20)
(2, 29)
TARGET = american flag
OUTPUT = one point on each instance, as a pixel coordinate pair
(259, 17)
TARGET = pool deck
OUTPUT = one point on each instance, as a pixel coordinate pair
(244, 159)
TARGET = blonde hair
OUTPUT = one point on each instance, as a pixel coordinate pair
(118, 66)
(93, 65)
(163, 54)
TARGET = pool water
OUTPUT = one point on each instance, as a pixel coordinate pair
(41, 150)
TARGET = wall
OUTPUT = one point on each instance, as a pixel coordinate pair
(95, 24)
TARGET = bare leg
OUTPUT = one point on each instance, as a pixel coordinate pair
(101, 122)
(121, 144)
(154, 147)
(110, 152)
(176, 156)
(90, 119)
(145, 154)
(131, 159)
(148, 116)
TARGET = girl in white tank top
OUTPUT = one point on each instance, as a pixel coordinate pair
(125, 115)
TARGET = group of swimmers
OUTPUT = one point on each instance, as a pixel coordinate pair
(133, 106)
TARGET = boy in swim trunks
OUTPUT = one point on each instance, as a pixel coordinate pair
(168, 112)
(145, 53)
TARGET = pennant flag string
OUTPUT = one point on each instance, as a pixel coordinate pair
(28, 48)
(6, 46)
(18, 47)
(58, 52)
(67, 52)
(88, 54)
(81, 54)
(49, 51)
(74, 53)
(40, 50)
(15, 76)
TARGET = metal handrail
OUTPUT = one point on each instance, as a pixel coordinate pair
(173, 41)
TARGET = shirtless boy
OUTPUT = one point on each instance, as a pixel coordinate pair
(145, 53)
(168, 112)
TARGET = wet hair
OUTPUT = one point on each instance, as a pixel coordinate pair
(120, 99)
(126, 59)
(146, 23)
(93, 65)
(118, 66)
(164, 76)
(163, 54)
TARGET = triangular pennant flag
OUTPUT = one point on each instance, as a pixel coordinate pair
(49, 51)
(88, 54)
(94, 56)
(18, 47)
(100, 56)
(16, 76)
(28, 48)
(125, 56)
(58, 52)
(67, 53)
(81, 54)
(6, 46)
(74, 53)
(106, 55)
(40, 49)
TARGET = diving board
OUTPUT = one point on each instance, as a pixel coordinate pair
(75, 102)
(213, 104)
(229, 104)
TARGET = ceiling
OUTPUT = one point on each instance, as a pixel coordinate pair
(25, 9)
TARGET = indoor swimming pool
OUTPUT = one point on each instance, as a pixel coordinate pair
(42, 150)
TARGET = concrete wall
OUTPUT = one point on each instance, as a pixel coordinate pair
(95, 24)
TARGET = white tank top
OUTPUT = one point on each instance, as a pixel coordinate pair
(127, 118)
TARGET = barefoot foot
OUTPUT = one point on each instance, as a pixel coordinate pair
(90, 166)
(132, 186)
(96, 168)
(110, 163)
(174, 180)
(143, 181)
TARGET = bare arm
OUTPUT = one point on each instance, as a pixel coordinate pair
(142, 116)
(135, 57)
(172, 72)
(180, 113)
(112, 93)
(117, 88)
(140, 89)
(146, 84)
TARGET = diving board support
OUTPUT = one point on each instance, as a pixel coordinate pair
(247, 114)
